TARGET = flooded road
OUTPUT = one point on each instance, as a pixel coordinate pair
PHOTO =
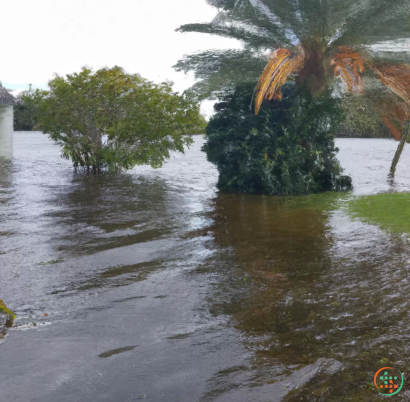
(151, 285)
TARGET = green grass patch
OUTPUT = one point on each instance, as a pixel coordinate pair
(390, 211)
(326, 201)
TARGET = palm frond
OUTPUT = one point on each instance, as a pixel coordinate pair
(372, 21)
(390, 53)
(393, 116)
(396, 78)
(240, 32)
(220, 71)
(264, 12)
(349, 66)
(245, 12)
(275, 74)
(222, 4)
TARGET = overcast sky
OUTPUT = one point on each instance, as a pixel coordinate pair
(43, 37)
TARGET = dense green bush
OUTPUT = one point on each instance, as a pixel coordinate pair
(288, 148)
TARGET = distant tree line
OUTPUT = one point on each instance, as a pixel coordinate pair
(361, 119)
(26, 110)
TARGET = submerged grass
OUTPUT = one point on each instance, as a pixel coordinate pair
(326, 201)
(390, 211)
(50, 262)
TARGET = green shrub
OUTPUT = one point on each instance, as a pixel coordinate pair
(288, 148)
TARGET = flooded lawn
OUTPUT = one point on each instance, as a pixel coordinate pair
(151, 285)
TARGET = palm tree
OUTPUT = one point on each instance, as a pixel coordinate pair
(317, 43)
(324, 49)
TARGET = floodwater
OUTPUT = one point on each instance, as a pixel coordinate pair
(151, 285)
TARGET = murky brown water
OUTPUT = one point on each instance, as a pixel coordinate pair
(157, 287)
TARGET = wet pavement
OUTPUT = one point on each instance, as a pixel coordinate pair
(156, 287)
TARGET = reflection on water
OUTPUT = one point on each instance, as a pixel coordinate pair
(228, 296)
(309, 284)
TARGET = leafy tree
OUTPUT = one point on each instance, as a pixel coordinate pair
(112, 119)
(26, 110)
(311, 42)
(287, 149)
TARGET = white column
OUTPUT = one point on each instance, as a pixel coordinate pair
(6, 131)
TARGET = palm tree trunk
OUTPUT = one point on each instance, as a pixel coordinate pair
(406, 128)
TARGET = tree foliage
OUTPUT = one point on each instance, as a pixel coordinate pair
(287, 149)
(361, 119)
(310, 41)
(272, 24)
(109, 118)
(26, 110)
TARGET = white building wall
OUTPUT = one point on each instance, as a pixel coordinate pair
(6, 131)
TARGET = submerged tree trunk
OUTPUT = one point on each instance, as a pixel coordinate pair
(9, 322)
(396, 158)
